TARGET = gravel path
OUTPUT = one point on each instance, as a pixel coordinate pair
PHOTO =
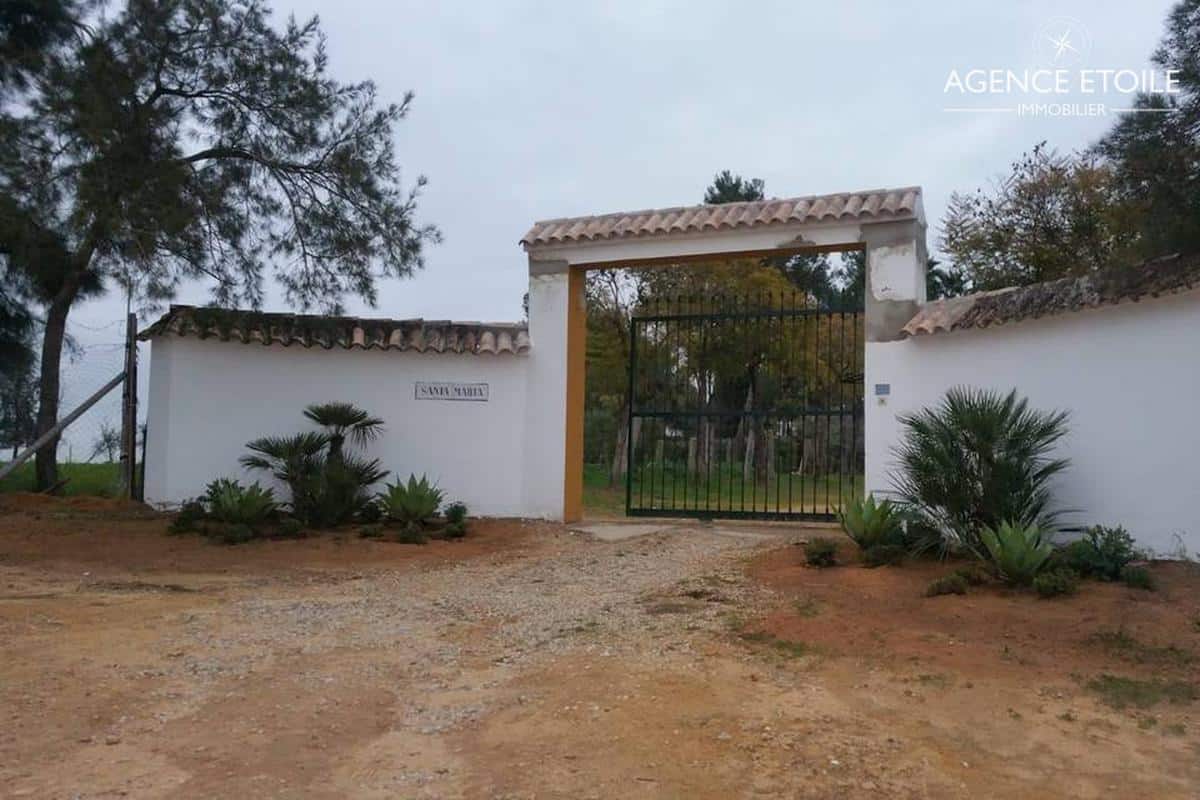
(572, 595)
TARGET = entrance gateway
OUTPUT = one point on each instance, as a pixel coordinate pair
(888, 224)
(745, 407)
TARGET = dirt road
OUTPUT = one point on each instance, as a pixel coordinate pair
(528, 661)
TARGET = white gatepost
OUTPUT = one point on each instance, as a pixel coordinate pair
(897, 262)
(545, 420)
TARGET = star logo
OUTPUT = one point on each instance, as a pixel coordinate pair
(1061, 42)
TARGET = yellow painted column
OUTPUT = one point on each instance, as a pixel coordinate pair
(576, 366)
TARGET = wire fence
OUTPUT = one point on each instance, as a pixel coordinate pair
(96, 354)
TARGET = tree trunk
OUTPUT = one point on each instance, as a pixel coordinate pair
(748, 475)
(620, 462)
(744, 421)
(621, 447)
(46, 460)
(770, 455)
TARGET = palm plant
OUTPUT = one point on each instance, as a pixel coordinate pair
(289, 458)
(342, 421)
(1017, 551)
(328, 485)
(977, 459)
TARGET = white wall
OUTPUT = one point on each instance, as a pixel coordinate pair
(208, 398)
(1129, 375)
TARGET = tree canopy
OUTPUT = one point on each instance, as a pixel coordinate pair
(729, 188)
(1052, 216)
(196, 140)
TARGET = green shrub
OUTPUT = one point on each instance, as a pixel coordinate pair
(411, 503)
(973, 574)
(883, 554)
(1018, 552)
(872, 525)
(371, 530)
(1139, 578)
(455, 530)
(370, 512)
(229, 501)
(455, 512)
(975, 461)
(412, 533)
(821, 552)
(947, 584)
(1102, 553)
(188, 519)
(290, 528)
(1055, 582)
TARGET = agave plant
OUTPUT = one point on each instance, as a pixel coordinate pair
(229, 501)
(871, 524)
(1017, 551)
(343, 421)
(414, 502)
(977, 459)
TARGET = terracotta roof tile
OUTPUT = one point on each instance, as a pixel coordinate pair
(876, 205)
(307, 330)
(1160, 276)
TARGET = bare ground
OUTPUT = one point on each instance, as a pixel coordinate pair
(527, 661)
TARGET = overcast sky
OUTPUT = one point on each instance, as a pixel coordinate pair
(525, 111)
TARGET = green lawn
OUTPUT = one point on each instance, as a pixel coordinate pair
(83, 479)
(722, 490)
(600, 499)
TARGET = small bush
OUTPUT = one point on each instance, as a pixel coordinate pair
(973, 574)
(188, 520)
(1017, 551)
(371, 530)
(947, 584)
(883, 554)
(412, 534)
(872, 525)
(235, 533)
(455, 512)
(1055, 582)
(291, 528)
(1139, 578)
(229, 501)
(411, 503)
(370, 512)
(455, 530)
(1102, 553)
(821, 552)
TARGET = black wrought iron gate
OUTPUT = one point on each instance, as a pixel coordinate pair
(744, 407)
